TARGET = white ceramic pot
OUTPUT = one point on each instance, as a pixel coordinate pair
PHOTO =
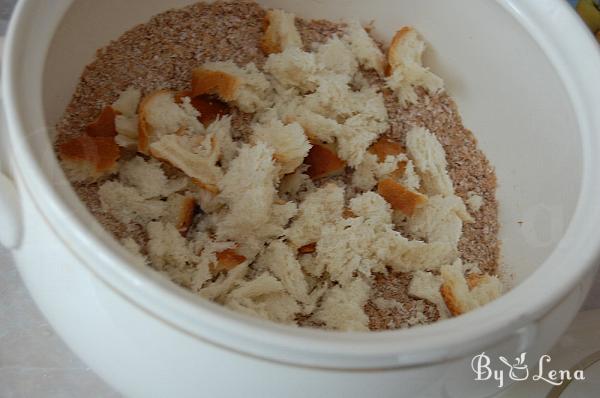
(525, 75)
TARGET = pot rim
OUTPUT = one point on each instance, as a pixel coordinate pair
(108, 261)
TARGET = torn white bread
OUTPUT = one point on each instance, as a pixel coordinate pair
(337, 56)
(429, 158)
(148, 177)
(371, 206)
(127, 205)
(172, 254)
(293, 68)
(289, 142)
(218, 290)
(342, 307)
(474, 201)
(264, 297)
(246, 87)
(439, 220)
(226, 147)
(406, 65)
(426, 285)
(280, 259)
(324, 205)
(280, 32)
(160, 115)
(462, 295)
(371, 170)
(128, 101)
(196, 156)
(366, 51)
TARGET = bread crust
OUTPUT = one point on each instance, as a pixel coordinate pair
(399, 197)
(214, 82)
(97, 154)
(323, 162)
(227, 260)
(104, 125)
(186, 214)
(393, 57)
(144, 128)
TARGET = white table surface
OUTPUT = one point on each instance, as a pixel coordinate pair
(34, 362)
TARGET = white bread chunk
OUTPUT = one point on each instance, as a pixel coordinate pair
(405, 255)
(474, 201)
(315, 125)
(149, 178)
(248, 190)
(281, 260)
(365, 49)
(219, 289)
(127, 126)
(371, 206)
(371, 170)
(160, 115)
(246, 87)
(169, 252)
(337, 56)
(405, 59)
(128, 102)
(462, 295)
(342, 307)
(347, 248)
(220, 129)
(196, 159)
(426, 285)
(323, 206)
(280, 33)
(264, 297)
(439, 220)
(127, 205)
(411, 179)
(430, 160)
(293, 68)
(288, 141)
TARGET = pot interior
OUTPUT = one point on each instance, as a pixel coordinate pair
(508, 93)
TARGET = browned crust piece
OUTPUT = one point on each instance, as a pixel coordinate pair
(400, 197)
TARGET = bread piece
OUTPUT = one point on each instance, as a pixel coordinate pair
(297, 185)
(474, 201)
(248, 190)
(280, 32)
(218, 290)
(127, 126)
(459, 296)
(128, 102)
(227, 260)
(399, 197)
(132, 246)
(426, 285)
(288, 141)
(439, 220)
(342, 307)
(88, 158)
(406, 67)
(385, 147)
(316, 127)
(148, 177)
(307, 249)
(127, 205)
(429, 158)
(104, 125)
(280, 260)
(365, 49)
(337, 56)
(160, 115)
(196, 161)
(370, 170)
(371, 206)
(324, 205)
(323, 161)
(293, 68)
(209, 107)
(264, 297)
(181, 210)
(246, 87)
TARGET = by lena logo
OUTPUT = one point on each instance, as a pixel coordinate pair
(517, 370)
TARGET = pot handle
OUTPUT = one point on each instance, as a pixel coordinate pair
(10, 209)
